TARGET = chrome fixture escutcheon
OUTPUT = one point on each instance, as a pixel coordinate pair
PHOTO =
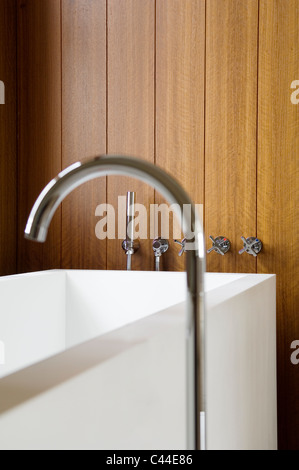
(221, 245)
(252, 245)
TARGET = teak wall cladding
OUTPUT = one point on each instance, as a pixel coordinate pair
(130, 107)
(278, 191)
(200, 87)
(83, 25)
(180, 80)
(8, 138)
(231, 119)
(39, 123)
(102, 79)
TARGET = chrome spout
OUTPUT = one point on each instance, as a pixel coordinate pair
(129, 245)
(160, 246)
(81, 172)
(129, 262)
(130, 216)
(157, 263)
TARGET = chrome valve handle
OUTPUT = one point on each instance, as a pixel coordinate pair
(252, 245)
(220, 244)
(160, 246)
(130, 247)
(182, 244)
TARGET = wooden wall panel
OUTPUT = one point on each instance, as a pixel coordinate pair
(8, 138)
(180, 79)
(131, 52)
(278, 191)
(231, 120)
(174, 82)
(83, 126)
(39, 121)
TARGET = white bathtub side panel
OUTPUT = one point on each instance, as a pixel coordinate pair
(32, 318)
(133, 401)
(136, 400)
(242, 402)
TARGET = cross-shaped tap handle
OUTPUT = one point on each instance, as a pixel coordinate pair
(251, 245)
(220, 244)
(182, 244)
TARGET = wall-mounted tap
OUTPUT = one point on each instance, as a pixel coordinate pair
(160, 246)
(182, 245)
(221, 245)
(129, 245)
(252, 245)
(81, 172)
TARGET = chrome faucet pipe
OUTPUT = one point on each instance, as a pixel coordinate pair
(81, 172)
(129, 245)
(160, 246)
(130, 216)
(129, 262)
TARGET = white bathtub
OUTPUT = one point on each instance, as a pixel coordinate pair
(96, 360)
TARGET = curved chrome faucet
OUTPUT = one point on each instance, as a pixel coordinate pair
(81, 172)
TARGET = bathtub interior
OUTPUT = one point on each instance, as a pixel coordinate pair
(98, 303)
(43, 314)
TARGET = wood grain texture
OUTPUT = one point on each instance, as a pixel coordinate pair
(180, 79)
(39, 121)
(278, 191)
(83, 126)
(8, 138)
(131, 52)
(231, 120)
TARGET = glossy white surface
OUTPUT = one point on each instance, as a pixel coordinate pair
(121, 383)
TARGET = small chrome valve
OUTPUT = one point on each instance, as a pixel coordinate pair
(130, 247)
(220, 244)
(182, 245)
(160, 246)
(252, 245)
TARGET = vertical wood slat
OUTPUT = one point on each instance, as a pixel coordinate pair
(278, 191)
(8, 139)
(180, 78)
(83, 126)
(39, 122)
(131, 33)
(231, 120)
